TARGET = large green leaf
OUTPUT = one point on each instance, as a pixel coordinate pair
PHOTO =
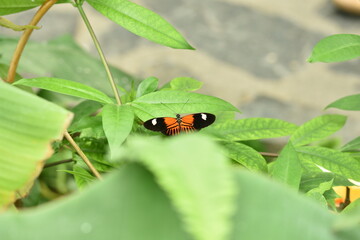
(14, 6)
(28, 124)
(169, 103)
(336, 48)
(332, 160)
(117, 123)
(63, 58)
(252, 129)
(317, 129)
(66, 87)
(199, 183)
(351, 102)
(287, 167)
(267, 210)
(246, 156)
(141, 21)
(130, 199)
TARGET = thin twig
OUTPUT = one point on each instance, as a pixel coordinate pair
(82, 155)
(25, 37)
(98, 48)
(58, 163)
(267, 154)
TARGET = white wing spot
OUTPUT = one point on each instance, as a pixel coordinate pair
(154, 122)
(203, 116)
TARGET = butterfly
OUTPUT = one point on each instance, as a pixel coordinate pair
(172, 126)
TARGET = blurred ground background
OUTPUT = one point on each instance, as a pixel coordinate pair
(250, 53)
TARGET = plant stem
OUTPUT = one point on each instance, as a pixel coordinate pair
(25, 37)
(267, 154)
(82, 155)
(98, 48)
(57, 163)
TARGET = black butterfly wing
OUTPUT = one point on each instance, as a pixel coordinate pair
(166, 125)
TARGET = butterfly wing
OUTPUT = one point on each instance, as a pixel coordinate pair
(196, 121)
(166, 125)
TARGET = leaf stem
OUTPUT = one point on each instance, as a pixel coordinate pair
(267, 154)
(25, 37)
(58, 163)
(98, 48)
(82, 155)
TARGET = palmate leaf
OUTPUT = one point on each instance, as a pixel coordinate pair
(169, 103)
(351, 103)
(317, 129)
(141, 21)
(199, 183)
(28, 124)
(336, 48)
(122, 208)
(332, 160)
(14, 6)
(66, 87)
(251, 129)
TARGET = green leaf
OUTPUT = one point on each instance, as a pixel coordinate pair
(281, 212)
(317, 129)
(185, 84)
(347, 227)
(251, 129)
(287, 167)
(149, 85)
(351, 103)
(14, 6)
(117, 123)
(314, 179)
(28, 124)
(141, 21)
(115, 208)
(246, 156)
(82, 177)
(318, 192)
(66, 87)
(199, 183)
(353, 145)
(169, 103)
(336, 48)
(84, 109)
(332, 160)
(86, 122)
(63, 58)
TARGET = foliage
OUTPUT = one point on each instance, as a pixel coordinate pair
(206, 186)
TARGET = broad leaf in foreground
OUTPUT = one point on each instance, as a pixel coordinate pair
(199, 183)
(141, 21)
(67, 87)
(28, 125)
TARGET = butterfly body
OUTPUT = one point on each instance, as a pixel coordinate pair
(173, 126)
